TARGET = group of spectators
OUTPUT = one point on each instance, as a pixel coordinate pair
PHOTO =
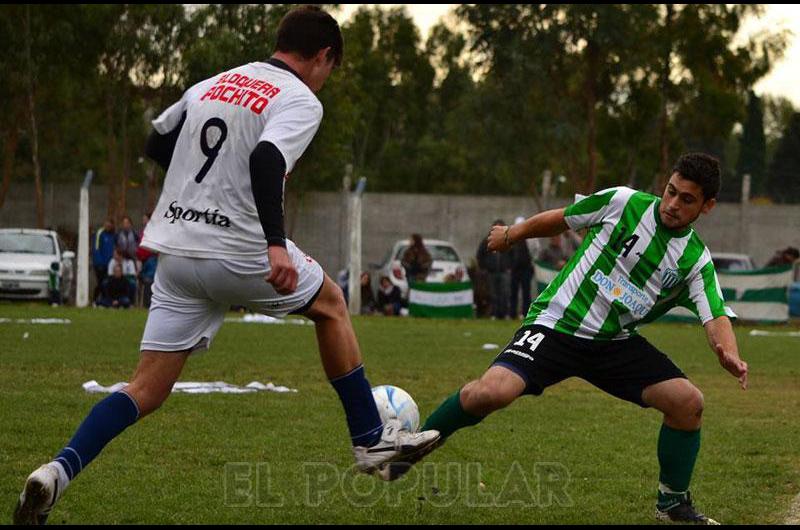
(125, 271)
(416, 262)
(508, 276)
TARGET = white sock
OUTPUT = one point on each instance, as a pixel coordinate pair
(63, 478)
(666, 491)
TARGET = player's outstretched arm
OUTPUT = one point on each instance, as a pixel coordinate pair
(723, 342)
(544, 224)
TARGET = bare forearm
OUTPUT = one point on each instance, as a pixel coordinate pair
(720, 332)
(723, 342)
(544, 224)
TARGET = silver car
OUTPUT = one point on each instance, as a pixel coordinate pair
(446, 264)
(27, 257)
(726, 261)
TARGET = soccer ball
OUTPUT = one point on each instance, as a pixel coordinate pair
(394, 402)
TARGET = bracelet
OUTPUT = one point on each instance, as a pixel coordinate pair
(505, 237)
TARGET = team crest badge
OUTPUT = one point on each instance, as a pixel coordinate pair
(670, 278)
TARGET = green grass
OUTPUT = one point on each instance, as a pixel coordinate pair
(171, 468)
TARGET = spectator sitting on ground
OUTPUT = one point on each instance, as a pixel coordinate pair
(367, 299)
(147, 269)
(389, 297)
(116, 291)
(129, 270)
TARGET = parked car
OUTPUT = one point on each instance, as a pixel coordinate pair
(446, 264)
(726, 261)
(27, 257)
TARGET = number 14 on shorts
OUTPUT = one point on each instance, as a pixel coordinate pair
(533, 341)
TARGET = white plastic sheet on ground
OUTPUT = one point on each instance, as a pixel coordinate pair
(217, 387)
(264, 319)
(35, 321)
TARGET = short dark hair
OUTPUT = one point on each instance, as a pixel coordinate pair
(308, 29)
(703, 170)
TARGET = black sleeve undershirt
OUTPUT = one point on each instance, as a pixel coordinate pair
(160, 147)
(267, 174)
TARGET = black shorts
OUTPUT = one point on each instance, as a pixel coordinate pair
(622, 368)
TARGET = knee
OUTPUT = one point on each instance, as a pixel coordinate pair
(688, 408)
(330, 305)
(693, 404)
(484, 397)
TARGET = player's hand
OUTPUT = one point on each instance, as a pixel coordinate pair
(283, 275)
(733, 364)
(498, 239)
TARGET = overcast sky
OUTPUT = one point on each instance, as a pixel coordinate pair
(784, 80)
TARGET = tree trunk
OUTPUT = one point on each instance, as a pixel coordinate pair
(37, 171)
(590, 97)
(9, 155)
(111, 145)
(125, 166)
(663, 119)
(152, 186)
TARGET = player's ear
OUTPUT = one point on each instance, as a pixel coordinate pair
(322, 56)
(709, 205)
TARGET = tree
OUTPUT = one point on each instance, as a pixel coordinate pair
(784, 172)
(752, 150)
(137, 47)
(714, 74)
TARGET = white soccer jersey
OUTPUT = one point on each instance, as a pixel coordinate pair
(629, 270)
(206, 208)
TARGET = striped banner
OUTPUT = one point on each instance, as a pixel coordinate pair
(441, 300)
(545, 274)
(760, 295)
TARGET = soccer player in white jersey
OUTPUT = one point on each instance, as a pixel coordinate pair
(639, 259)
(227, 146)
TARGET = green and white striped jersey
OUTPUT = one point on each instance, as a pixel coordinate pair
(629, 270)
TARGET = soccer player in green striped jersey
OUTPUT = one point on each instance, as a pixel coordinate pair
(639, 259)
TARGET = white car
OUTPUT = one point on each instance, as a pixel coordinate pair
(726, 261)
(26, 259)
(446, 264)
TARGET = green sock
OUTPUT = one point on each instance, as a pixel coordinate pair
(677, 453)
(450, 416)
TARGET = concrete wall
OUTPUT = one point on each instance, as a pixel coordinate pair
(317, 221)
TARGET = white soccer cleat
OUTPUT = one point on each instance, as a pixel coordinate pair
(395, 445)
(42, 490)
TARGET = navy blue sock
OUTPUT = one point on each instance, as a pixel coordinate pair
(363, 419)
(104, 423)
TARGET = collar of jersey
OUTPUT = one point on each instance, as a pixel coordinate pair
(277, 63)
(682, 232)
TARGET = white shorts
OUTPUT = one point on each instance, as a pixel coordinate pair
(192, 295)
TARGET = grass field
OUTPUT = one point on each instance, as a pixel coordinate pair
(574, 455)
